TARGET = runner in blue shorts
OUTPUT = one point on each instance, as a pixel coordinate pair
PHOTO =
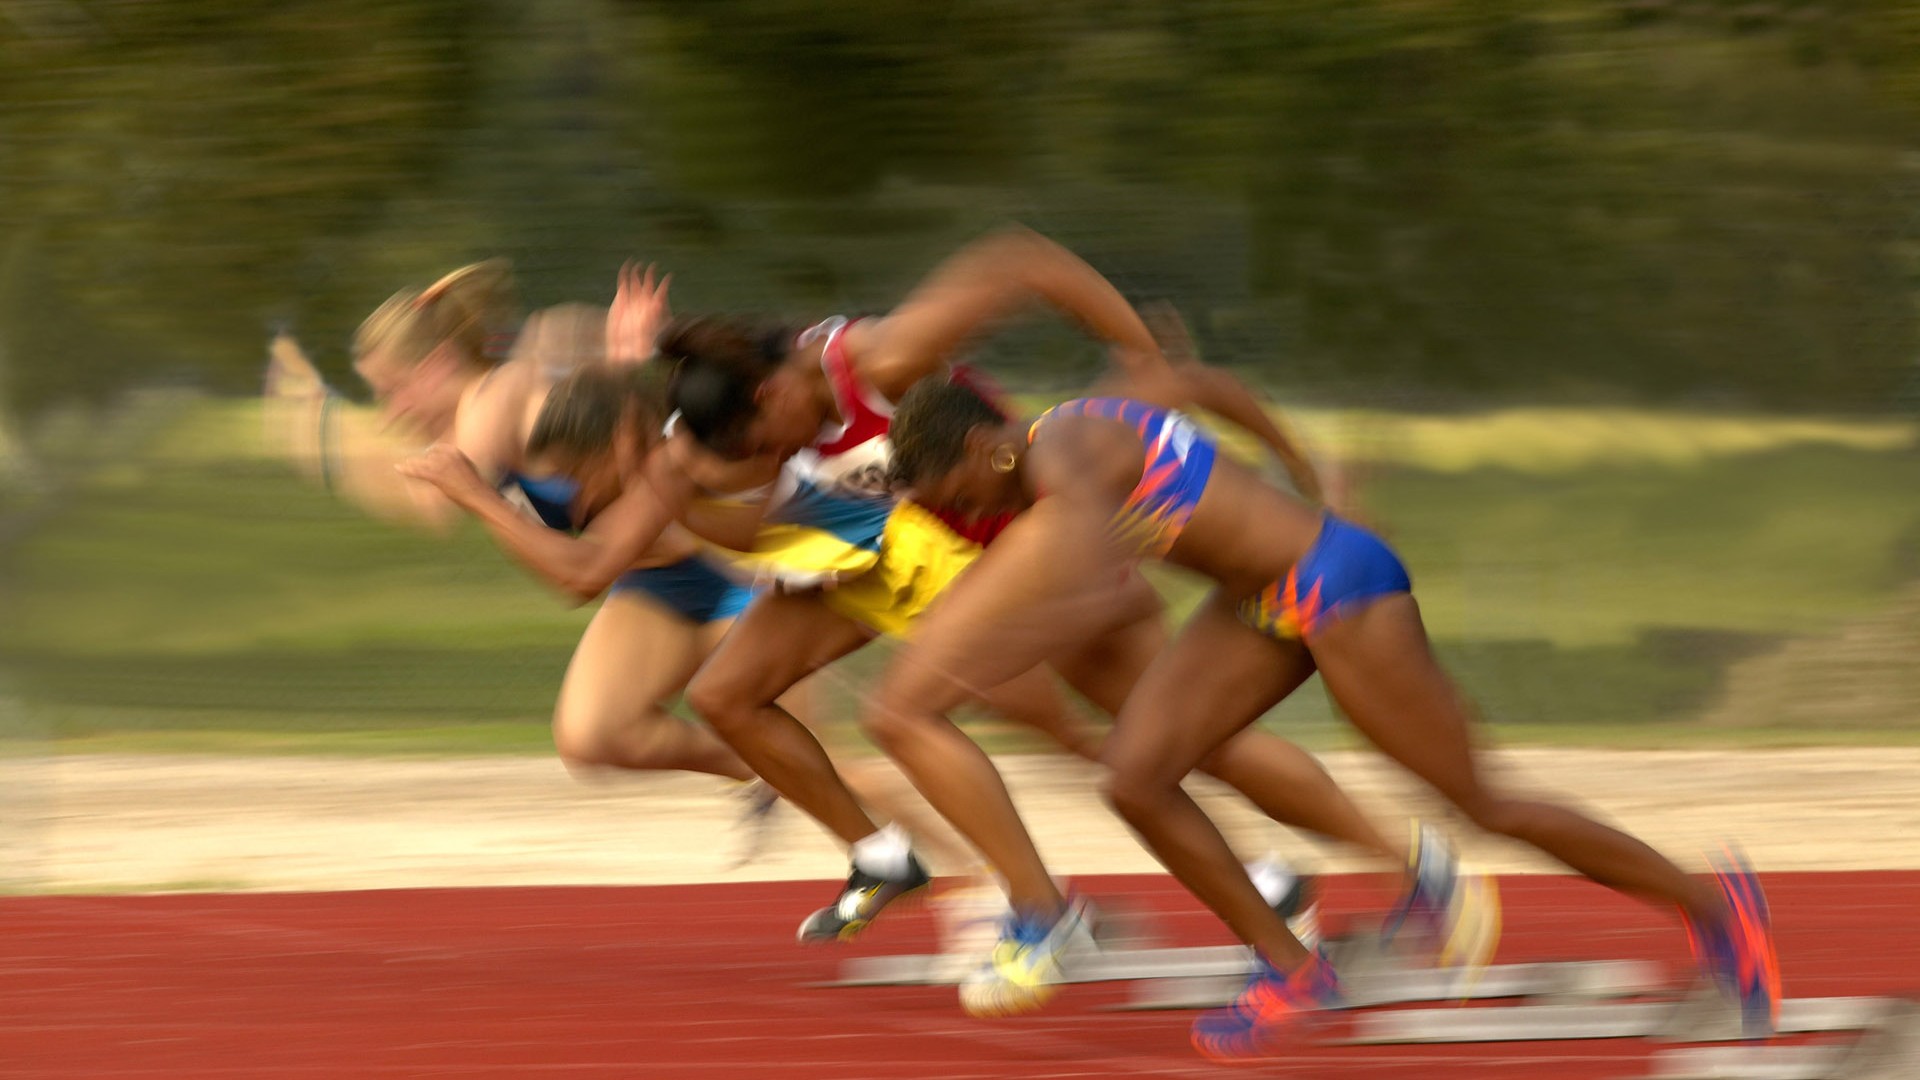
(1105, 481)
(849, 560)
(451, 363)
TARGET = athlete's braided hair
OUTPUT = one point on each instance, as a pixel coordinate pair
(930, 427)
(583, 410)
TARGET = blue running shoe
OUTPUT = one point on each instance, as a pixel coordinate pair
(1739, 955)
(1275, 1004)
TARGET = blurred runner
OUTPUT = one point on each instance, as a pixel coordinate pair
(1102, 482)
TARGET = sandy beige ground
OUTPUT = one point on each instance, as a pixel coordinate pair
(111, 822)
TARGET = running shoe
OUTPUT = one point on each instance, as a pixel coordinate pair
(1457, 910)
(968, 916)
(756, 821)
(1275, 1005)
(1025, 969)
(860, 902)
(1739, 955)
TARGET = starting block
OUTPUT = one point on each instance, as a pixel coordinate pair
(1587, 980)
(1123, 963)
(1706, 1017)
(1888, 1050)
(1205, 977)
(1108, 965)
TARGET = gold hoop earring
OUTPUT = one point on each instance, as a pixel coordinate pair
(1004, 459)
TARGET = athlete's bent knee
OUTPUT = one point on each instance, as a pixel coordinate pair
(1135, 794)
(581, 748)
(890, 721)
(1502, 817)
(576, 740)
(1221, 765)
(720, 703)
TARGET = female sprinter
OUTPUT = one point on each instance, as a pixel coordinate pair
(1101, 482)
(852, 563)
(822, 401)
(431, 357)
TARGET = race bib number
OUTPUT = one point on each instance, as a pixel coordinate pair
(861, 471)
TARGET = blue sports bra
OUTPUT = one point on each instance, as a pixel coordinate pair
(1179, 461)
(549, 497)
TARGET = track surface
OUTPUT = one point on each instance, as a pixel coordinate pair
(703, 981)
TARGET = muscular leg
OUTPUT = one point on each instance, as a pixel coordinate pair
(1288, 784)
(799, 700)
(1022, 601)
(1377, 663)
(881, 785)
(1033, 701)
(1105, 668)
(874, 781)
(779, 640)
(1213, 681)
(633, 659)
(1293, 788)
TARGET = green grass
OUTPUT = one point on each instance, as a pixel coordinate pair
(1778, 542)
(1589, 578)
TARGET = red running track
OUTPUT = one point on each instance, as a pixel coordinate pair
(704, 981)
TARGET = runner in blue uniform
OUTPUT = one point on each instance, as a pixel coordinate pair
(1105, 481)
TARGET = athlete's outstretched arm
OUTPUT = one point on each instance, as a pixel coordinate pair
(987, 281)
(1222, 393)
(732, 524)
(723, 502)
(342, 445)
(581, 566)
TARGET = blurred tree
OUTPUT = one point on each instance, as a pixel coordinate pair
(1416, 199)
(187, 172)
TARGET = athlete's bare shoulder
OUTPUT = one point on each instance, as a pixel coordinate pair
(492, 424)
(864, 337)
(1094, 455)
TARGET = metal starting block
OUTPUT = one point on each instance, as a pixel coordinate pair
(1198, 978)
(1702, 1017)
(1588, 980)
(1889, 1049)
(1108, 965)
(1232, 963)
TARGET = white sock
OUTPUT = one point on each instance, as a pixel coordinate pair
(1272, 877)
(884, 853)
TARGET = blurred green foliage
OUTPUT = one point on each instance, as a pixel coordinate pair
(1705, 201)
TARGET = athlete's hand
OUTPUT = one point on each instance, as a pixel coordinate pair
(289, 373)
(1169, 331)
(639, 311)
(291, 412)
(446, 468)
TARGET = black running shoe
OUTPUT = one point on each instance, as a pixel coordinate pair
(861, 902)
